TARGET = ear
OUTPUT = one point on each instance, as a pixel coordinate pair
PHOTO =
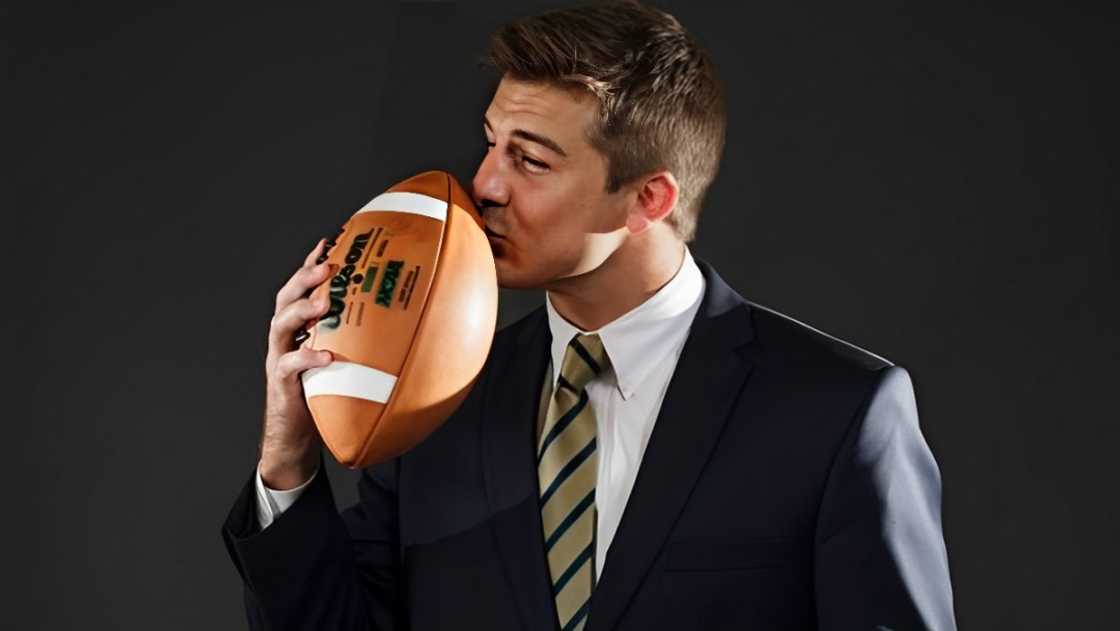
(656, 198)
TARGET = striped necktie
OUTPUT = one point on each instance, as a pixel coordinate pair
(567, 467)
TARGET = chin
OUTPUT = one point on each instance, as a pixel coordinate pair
(511, 280)
(510, 276)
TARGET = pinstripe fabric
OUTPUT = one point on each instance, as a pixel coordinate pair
(567, 466)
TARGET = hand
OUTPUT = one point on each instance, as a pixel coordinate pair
(290, 441)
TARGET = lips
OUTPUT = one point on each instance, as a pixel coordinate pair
(491, 233)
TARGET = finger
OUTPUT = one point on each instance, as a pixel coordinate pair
(301, 281)
(291, 318)
(294, 316)
(292, 364)
(310, 260)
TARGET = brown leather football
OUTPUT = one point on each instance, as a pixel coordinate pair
(413, 308)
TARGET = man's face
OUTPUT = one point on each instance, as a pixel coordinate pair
(541, 186)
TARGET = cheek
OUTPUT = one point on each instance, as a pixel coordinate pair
(550, 211)
(548, 221)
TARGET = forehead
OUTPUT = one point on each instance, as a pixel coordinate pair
(564, 115)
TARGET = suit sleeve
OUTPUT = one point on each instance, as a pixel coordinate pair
(271, 503)
(314, 568)
(880, 557)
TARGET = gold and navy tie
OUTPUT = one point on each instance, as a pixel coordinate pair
(567, 467)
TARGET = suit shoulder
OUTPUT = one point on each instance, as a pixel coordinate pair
(510, 333)
(510, 337)
(794, 340)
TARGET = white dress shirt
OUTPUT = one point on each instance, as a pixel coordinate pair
(643, 346)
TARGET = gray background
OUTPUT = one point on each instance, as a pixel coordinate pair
(930, 184)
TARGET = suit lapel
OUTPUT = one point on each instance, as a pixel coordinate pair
(710, 373)
(511, 403)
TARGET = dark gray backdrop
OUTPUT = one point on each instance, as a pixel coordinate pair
(930, 184)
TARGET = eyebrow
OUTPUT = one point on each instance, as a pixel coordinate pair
(531, 137)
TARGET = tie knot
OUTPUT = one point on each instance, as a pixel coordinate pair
(584, 359)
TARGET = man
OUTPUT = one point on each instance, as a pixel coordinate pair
(647, 450)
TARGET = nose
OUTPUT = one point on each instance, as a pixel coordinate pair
(489, 187)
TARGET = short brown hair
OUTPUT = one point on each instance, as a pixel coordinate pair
(661, 105)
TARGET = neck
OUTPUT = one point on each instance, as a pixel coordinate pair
(633, 273)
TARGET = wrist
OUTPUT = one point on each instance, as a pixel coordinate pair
(287, 467)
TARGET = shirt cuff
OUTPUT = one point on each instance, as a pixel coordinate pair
(271, 503)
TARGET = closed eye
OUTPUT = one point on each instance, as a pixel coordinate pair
(536, 164)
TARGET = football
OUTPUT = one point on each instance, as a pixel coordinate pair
(413, 308)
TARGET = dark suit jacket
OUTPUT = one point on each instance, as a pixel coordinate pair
(786, 485)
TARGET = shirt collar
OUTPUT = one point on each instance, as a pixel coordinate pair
(638, 341)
